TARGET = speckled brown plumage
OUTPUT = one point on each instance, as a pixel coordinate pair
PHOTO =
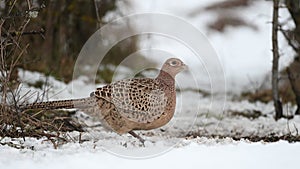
(130, 104)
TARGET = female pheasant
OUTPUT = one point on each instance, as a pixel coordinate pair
(131, 104)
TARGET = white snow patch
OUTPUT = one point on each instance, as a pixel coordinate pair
(199, 153)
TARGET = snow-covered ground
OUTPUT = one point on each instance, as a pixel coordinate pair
(169, 147)
(207, 115)
(244, 54)
(196, 153)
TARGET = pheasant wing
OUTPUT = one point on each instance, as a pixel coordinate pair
(139, 100)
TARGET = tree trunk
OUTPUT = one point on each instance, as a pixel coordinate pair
(293, 70)
(294, 76)
(275, 92)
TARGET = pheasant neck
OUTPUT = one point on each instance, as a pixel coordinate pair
(167, 79)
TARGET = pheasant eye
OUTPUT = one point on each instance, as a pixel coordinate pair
(173, 63)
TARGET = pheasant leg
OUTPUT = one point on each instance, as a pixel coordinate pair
(137, 136)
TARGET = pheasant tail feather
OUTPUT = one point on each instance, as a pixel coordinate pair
(63, 104)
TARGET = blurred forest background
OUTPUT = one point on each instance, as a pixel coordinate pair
(47, 36)
(55, 32)
(288, 79)
(50, 35)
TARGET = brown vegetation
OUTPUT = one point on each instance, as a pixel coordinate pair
(265, 94)
(223, 22)
(49, 124)
(229, 4)
(23, 37)
(228, 16)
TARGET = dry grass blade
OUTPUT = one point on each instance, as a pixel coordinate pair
(35, 123)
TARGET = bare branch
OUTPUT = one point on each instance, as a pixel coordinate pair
(289, 40)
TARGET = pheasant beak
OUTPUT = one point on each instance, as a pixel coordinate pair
(185, 67)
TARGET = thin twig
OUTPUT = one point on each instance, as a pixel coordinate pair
(97, 13)
(289, 40)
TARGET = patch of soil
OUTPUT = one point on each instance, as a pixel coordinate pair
(268, 138)
(253, 114)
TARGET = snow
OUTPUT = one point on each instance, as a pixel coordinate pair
(194, 112)
(169, 148)
(55, 88)
(197, 153)
(244, 53)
